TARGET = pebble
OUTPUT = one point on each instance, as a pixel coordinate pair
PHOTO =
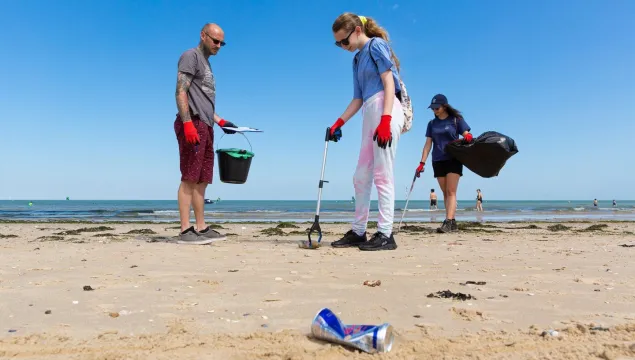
(265, 317)
(75, 302)
(47, 312)
(278, 279)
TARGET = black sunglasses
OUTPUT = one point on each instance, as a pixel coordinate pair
(344, 41)
(216, 41)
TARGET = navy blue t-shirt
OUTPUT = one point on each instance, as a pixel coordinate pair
(442, 133)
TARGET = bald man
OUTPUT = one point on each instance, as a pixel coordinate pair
(196, 103)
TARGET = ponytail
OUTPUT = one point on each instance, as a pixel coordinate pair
(372, 29)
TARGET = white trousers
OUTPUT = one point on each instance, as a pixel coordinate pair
(376, 164)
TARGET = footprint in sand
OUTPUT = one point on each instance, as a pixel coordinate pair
(468, 315)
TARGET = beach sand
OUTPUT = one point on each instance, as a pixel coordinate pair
(254, 296)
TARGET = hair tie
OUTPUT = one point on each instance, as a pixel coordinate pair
(363, 19)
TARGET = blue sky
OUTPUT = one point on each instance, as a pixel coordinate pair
(87, 94)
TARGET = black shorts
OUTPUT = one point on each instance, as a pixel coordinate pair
(444, 167)
(433, 203)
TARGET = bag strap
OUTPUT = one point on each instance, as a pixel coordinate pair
(372, 58)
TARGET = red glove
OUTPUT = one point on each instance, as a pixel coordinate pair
(222, 123)
(420, 168)
(338, 124)
(382, 133)
(468, 137)
(191, 135)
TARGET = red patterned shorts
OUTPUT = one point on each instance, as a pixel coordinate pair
(197, 161)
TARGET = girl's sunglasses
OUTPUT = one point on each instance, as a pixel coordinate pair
(344, 41)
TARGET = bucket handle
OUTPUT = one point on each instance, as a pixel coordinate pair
(250, 147)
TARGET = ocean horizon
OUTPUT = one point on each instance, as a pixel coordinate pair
(304, 210)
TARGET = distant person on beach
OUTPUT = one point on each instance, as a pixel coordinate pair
(433, 200)
(595, 202)
(375, 90)
(479, 200)
(614, 203)
(447, 125)
(196, 103)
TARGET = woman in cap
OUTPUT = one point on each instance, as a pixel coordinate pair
(447, 125)
(375, 90)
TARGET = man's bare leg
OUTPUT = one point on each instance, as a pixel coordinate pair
(198, 200)
(186, 191)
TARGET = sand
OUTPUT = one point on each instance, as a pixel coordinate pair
(254, 295)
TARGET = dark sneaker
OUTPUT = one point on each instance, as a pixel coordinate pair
(453, 226)
(445, 227)
(379, 241)
(349, 239)
(212, 234)
(192, 237)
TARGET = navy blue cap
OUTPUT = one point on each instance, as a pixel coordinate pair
(437, 101)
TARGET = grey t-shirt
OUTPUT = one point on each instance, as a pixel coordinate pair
(202, 93)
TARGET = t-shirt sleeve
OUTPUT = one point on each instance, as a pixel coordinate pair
(188, 63)
(357, 89)
(380, 52)
(429, 129)
(462, 126)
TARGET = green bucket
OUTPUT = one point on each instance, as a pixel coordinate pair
(233, 165)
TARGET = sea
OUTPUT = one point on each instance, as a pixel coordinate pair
(304, 211)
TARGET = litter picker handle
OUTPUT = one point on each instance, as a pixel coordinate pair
(328, 134)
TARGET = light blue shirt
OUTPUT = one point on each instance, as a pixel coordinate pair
(366, 80)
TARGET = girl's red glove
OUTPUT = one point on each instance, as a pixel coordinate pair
(382, 133)
(338, 124)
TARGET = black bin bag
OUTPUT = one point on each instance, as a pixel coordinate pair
(485, 155)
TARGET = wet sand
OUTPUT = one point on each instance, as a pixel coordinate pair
(254, 295)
